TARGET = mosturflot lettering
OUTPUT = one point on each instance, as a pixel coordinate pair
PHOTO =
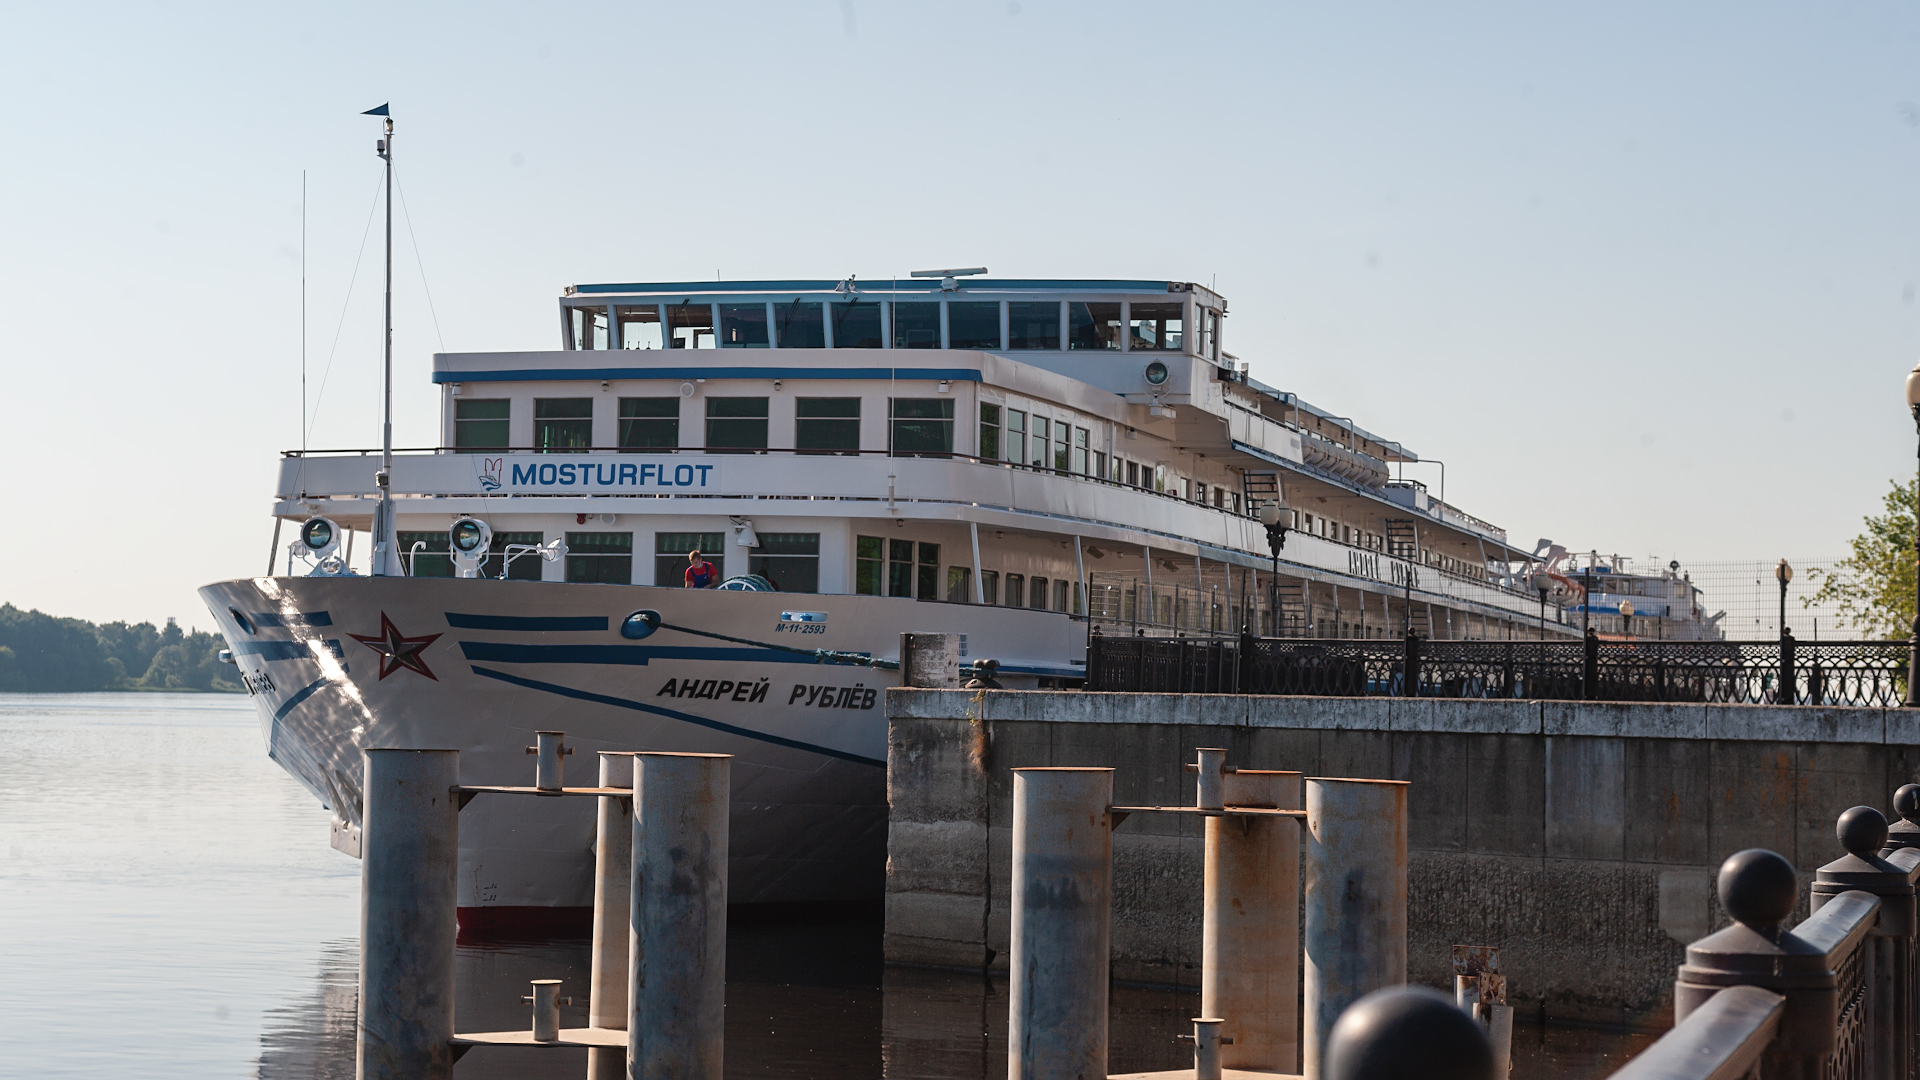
(612, 474)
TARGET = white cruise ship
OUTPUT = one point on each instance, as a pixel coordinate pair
(1009, 460)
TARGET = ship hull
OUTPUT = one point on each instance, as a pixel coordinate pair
(340, 665)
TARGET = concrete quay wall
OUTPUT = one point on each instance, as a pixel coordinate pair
(1579, 837)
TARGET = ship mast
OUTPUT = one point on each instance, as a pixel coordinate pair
(383, 515)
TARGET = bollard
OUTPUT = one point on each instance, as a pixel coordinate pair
(1250, 922)
(549, 766)
(410, 855)
(1356, 900)
(678, 965)
(1062, 916)
(546, 1009)
(612, 901)
(1206, 1047)
(931, 661)
(1407, 1031)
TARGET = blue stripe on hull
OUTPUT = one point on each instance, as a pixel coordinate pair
(638, 655)
(673, 714)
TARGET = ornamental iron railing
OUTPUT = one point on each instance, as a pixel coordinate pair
(1784, 672)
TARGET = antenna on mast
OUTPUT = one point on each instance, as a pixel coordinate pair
(383, 516)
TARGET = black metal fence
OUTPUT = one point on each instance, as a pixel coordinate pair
(1783, 672)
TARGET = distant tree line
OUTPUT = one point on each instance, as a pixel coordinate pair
(41, 653)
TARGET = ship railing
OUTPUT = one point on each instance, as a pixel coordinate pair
(1784, 672)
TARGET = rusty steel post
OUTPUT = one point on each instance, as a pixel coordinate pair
(550, 765)
(410, 857)
(677, 970)
(1250, 922)
(612, 904)
(1356, 900)
(1062, 917)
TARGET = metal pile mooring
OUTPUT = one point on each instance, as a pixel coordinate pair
(1355, 913)
(658, 984)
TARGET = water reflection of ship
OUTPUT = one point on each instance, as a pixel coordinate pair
(312, 1039)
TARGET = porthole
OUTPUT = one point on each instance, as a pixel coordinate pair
(640, 624)
(245, 623)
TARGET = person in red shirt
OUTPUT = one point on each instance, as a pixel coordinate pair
(700, 572)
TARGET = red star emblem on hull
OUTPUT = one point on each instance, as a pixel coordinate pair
(398, 650)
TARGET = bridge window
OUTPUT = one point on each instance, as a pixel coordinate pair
(1016, 436)
(856, 325)
(589, 327)
(928, 572)
(639, 326)
(916, 326)
(1033, 325)
(827, 424)
(900, 568)
(604, 558)
(562, 424)
(1040, 428)
(790, 560)
(432, 560)
(670, 551)
(480, 424)
(1093, 326)
(650, 423)
(1062, 456)
(1155, 326)
(989, 447)
(869, 565)
(1099, 465)
(973, 324)
(690, 326)
(1080, 451)
(922, 426)
(1210, 337)
(743, 326)
(1016, 590)
(800, 325)
(736, 423)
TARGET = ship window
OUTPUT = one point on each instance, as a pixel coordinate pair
(604, 558)
(1210, 345)
(589, 327)
(1040, 427)
(1060, 595)
(670, 551)
(429, 561)
(432, 559)
(1016, 590)
(1093, 326)
(989, 447)
(929, 572)
(922, 426)
(1033, 325)
(960, 584)
(736, 423)
(1155, 326)
(562, 424)
(1099, 465)
(856, 325)
(1080, 451)
(900, 568)
(650, 423)
(639, 326)
(1159, 478)
(973, 324)
(869, 565)
(990, 586)
(827, 424)
(480, 424)
(790, 560)
(1062, 454)
(800, 325)
(743, 326)
(690, 326)
(1016, 436)
(1039, 594)
(916, 326)
(1133, 473)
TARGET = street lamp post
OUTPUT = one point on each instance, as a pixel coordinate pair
(1783, 573)
(1541, 584)
(1913, 640)
(1274, 516)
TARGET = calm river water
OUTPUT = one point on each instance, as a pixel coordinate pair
(169, 907)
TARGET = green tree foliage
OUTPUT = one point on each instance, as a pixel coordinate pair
(40, 653)
(1873, 587)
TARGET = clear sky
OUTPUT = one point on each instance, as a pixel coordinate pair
(1642, 275)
